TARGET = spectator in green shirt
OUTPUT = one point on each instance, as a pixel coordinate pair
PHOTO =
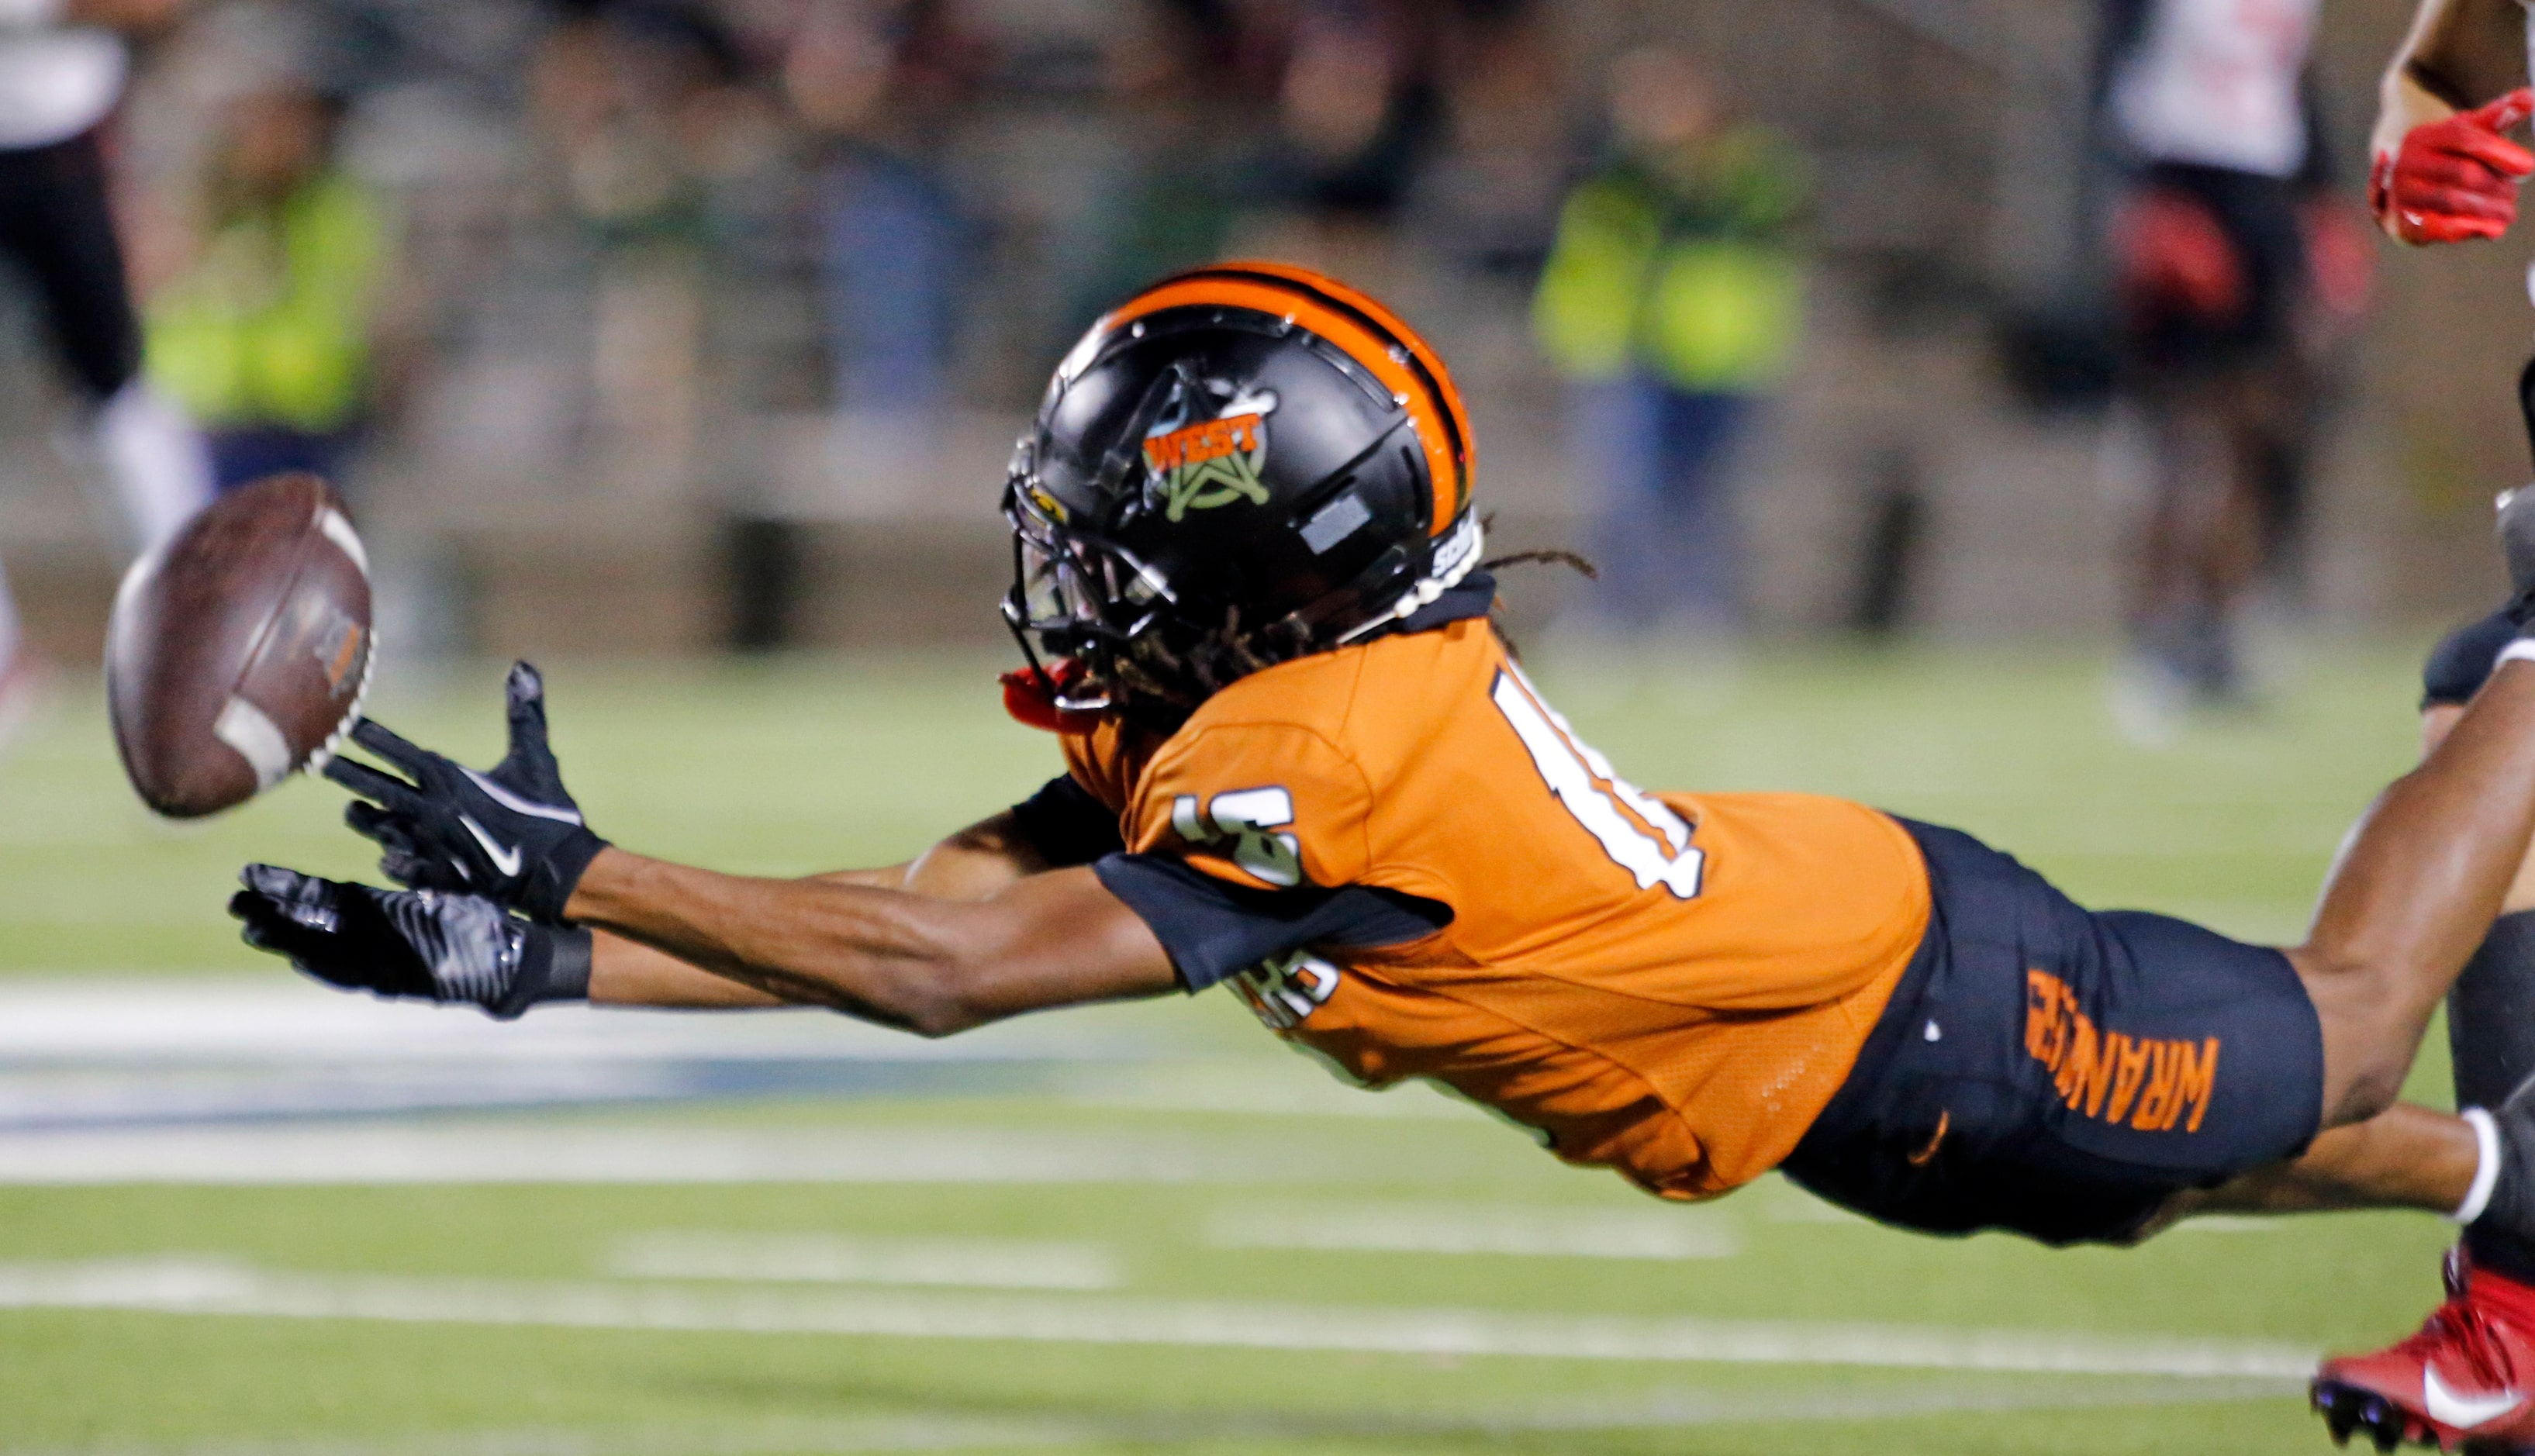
(265, 334)
(1672, 300)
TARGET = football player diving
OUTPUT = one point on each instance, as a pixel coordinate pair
(1300, 761)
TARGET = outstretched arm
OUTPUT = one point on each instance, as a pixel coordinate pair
(516, 901)
(975, 930)
(924, 963)
(970, 865)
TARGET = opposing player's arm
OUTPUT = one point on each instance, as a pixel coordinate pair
(928, 964)
(2436, 721)
(2443, 168)
(2458, 55)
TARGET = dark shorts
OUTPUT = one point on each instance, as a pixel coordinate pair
(2259, 217)
(2060, 1072)
(57, 228)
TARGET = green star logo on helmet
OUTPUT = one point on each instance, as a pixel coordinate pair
(1213, 462)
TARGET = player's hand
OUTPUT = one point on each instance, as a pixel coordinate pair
(512, 835)
(418, 944)
(2454, 179)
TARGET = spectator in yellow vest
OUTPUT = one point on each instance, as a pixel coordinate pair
(1672, 300)
(264, 335)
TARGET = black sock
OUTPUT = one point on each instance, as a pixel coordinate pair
(2490, 1014)
(2491, 1032)
(2505, 1255)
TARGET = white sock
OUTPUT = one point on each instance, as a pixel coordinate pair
(161, 468)
(2486, 1172)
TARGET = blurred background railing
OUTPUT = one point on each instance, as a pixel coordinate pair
(662, 326)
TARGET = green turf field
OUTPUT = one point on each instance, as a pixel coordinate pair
(1208, 1246)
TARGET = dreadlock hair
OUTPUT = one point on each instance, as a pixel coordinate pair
(1158, 684)
(1548, 556)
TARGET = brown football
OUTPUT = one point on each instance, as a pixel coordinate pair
(240, 647)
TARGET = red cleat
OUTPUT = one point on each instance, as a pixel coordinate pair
(2466, 1380)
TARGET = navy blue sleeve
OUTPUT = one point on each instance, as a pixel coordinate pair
(1214, 929)
(2462, 661)
(1066, 825)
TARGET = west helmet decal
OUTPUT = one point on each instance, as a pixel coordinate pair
(1207, 448)
(1240, 464)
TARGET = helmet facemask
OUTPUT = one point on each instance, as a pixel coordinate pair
(1239, 468)
(1079, 599)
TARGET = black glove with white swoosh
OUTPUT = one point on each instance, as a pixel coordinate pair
(512, 835)
(409, 943)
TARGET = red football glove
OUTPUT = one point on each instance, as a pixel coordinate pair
(2454, 179)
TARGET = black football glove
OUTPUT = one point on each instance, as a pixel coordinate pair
(419, 945)
(512, 835)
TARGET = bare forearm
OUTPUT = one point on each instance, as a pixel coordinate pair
(830, 941)
(967, 866)
(923, 962)
(2459, 55)
(629, 973)
(970, 865)
(2402, 103)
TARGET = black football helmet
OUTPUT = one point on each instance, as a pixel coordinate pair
(1239, 466)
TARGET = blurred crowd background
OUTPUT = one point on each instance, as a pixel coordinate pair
(656, 325)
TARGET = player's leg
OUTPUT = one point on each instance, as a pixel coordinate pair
(2490, 1033)
(2185, 446)
(1699, 588)
(2407, 1156)
(21, 676)
(2415, 892)
(21, 174)
(2468, 1373)
(2491, 1280)
(2066, 1073)
(60, 227)
(1616, 427)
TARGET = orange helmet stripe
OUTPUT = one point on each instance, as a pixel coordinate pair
(1368, 332)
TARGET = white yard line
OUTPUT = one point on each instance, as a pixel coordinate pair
(822, 1258)
(1669, 1233)
(952, 1432)
(882, 1433)
(2229, 1223)
(1283, 1086)
(566, 1152)
(279, 1019)
(206, 1287)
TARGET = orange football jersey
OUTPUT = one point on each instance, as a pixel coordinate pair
(1671, 985)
